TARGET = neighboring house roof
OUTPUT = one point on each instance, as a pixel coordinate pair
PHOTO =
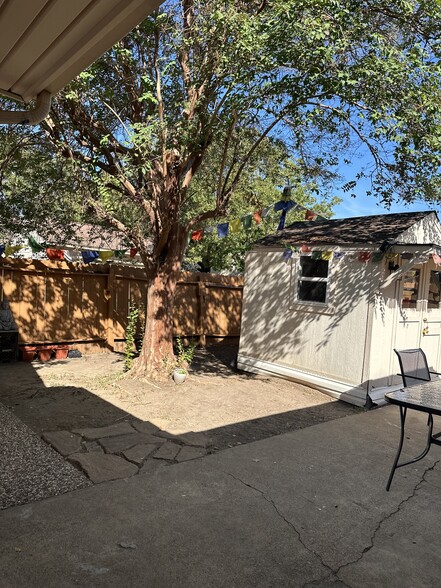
(87, 236)
(46, 43)
(361, 230)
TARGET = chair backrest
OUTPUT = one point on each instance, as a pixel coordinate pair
(413, 366)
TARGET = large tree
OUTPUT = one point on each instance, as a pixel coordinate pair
(318, 74)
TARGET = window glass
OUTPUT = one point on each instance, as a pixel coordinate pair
(411, 284)
(313, 280)
(313, 268)
(312, 291)
(434, 290)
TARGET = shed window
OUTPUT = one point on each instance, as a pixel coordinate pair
(434, 290)
(411, 285)
(313, 280)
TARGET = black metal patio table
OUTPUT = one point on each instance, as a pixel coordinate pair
(424, 398)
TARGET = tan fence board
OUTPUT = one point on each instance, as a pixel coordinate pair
(56, 301)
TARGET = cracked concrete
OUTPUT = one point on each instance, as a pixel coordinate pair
(308, 508)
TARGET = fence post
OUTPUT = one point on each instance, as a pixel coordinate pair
(110, 293)
(202, 293)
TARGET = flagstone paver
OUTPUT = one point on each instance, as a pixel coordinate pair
(146, 427)
(102, 467)
(138, 453)
(93, 434)
(64, 442)
(188, 453)
(167, 451)
(92, 446)
(124, 449)
(123, 442)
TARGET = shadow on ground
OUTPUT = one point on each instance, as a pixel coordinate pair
(104, 442)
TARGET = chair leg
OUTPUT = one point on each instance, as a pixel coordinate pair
(403, 412)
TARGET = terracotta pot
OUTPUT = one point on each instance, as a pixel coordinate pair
(28, 352)
(61, 352)
(45, 353)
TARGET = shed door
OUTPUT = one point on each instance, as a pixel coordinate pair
(419, 315)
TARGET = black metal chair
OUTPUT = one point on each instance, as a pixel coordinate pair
(414, 367)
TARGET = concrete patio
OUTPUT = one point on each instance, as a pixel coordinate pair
(307, 508)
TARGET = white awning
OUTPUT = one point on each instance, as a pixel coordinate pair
(44, 44)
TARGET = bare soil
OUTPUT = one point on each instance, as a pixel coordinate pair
(231, 407)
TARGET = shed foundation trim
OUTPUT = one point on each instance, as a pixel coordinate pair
(353, 394)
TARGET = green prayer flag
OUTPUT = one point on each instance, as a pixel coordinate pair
(34, 245)
(246, 221)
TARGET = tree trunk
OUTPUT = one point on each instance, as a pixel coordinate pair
(156, 358)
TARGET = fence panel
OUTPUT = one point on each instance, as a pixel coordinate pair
(56, 301)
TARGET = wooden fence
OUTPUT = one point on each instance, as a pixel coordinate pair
(87, 306)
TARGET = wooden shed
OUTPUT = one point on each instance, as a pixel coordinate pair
(326, 302)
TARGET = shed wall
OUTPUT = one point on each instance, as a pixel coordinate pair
(326, 342)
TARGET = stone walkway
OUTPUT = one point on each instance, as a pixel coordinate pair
(124, 449)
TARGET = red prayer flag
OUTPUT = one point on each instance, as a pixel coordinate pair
(364, 256)
(133, 252)
(305, 249)
(196, 235)
(436, 258)
(55, 254)
(258, 216)
(310, 215)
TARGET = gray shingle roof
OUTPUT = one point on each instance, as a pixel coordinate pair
(363, 230)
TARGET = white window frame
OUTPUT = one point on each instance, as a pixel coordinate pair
(309, 305)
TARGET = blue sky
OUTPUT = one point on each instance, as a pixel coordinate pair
(364, 205)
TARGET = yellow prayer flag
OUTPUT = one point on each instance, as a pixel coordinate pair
(10, 249)
(105, 255)
(235, 225)
(327, 255)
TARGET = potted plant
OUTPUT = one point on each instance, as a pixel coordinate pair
(28, 352)
(180, 375)
(184, 357)
(45, 353)
(61, 351)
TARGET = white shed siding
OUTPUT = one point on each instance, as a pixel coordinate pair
(329, 343)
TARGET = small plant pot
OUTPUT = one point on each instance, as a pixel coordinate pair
(28, 352)
(61, 352)
(179, 376)
(45, 353)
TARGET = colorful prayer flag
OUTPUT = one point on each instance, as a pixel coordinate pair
(246, 221)
(222, 230)
(316, 255)
(10, 249)
(89, 256)
(235, 225)
(327, 255)
(2, 249)
(55, 254)
(305, 249)
(364, 256)
(105, 255)
(266, 211)
(310, 215)
(34, 245)
(196, 235)
(258, 217)
(287, 254)
(436, 258)
(377, 256)
(133, 251)
(119, 253)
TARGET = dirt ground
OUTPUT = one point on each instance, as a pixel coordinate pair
(231, 407)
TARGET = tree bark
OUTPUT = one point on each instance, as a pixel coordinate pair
(157, 357)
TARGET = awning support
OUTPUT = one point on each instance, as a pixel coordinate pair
(421, 257)
(29, 117)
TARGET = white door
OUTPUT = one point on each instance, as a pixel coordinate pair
(419, 312)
